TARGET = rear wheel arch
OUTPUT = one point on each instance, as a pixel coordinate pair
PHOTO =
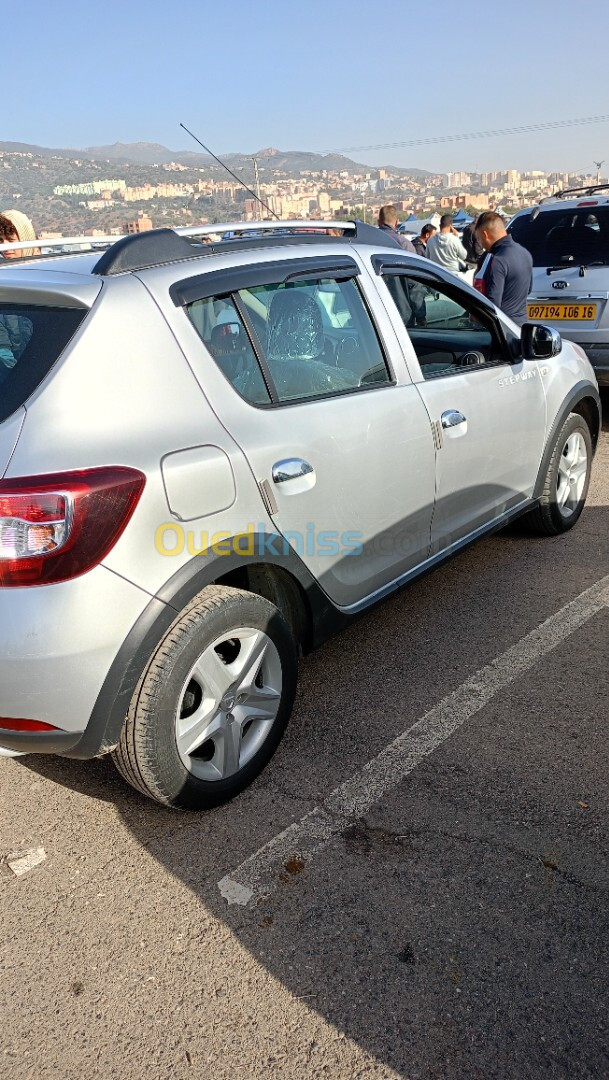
(306, 609)
(275, 583)
(212, 703)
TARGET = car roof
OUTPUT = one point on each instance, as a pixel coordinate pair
(570, 199)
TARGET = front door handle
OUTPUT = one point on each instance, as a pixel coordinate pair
(296, 473)
(452, 418)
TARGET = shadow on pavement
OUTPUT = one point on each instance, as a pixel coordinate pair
(461, 928)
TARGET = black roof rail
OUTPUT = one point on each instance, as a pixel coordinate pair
(157, 247)
(151, 248)
(591, 190)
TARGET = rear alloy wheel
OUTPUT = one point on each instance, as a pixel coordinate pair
(567, 479)
(213, 703)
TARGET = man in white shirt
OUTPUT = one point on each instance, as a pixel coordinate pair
(446, 249)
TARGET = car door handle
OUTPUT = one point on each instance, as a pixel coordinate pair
(290, 469)
(296, 473)
(452, 418)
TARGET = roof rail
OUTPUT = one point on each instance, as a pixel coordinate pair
(156, 247)
(58, 245)
(266, 226)
(591, 190)
(61, 243)
(160, 246)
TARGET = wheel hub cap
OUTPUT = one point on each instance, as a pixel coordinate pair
(572, 474)
(228, 704)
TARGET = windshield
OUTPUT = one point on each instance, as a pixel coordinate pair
(579, 235)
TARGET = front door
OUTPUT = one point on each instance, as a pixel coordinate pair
(488, 409)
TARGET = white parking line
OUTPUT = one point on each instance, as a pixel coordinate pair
(259, 874)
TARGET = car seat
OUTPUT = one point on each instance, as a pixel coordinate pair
(559, 244)
(296, 348)
(295, 327)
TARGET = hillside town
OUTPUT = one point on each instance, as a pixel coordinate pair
(63, 195)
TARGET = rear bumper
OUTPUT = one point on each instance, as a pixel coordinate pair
(15, 743)
(57, 644)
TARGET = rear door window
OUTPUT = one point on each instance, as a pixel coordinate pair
(220, 326)
(288, 341)
(31, 339)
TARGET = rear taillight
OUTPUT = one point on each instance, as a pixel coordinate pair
(480, 286)
(57, 526)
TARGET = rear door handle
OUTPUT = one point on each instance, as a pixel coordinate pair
(452, 418)
(295, 473)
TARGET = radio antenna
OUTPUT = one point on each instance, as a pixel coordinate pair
(234, 175)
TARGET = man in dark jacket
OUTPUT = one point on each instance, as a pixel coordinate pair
(388, 222)
(475, 251)
(507, 281)
(420, 242)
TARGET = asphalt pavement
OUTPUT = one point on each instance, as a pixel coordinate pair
(451, 922)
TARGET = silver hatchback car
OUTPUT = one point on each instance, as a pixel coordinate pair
(214, 455)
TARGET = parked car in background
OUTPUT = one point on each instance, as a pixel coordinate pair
(568, 237)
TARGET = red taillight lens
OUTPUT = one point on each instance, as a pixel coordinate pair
(480, 286)
(11, 724)
(58, 526)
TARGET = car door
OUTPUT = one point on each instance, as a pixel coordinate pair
(335, 432)
(487, 404)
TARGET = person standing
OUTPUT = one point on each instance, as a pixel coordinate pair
(8, 235)
(420, 242)
(388, 222)
(508, 277)
(475, 251)
(446, 249)
(24, 229)
(15, 330)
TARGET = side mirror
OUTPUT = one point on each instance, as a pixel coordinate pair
(539, 342)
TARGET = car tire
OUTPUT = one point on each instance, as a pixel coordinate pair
(213, 703)
(566, 481)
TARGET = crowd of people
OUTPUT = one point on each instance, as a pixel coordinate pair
(507, 274)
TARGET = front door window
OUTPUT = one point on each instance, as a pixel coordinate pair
(448, 336)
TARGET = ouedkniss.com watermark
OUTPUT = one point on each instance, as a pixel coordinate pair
(172, 539)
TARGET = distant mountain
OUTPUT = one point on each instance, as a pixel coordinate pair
(143, 153)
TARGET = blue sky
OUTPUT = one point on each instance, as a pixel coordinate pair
(315, 75)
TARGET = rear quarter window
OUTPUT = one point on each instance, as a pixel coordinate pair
(32, 337)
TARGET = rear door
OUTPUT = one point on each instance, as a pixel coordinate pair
(336, 435)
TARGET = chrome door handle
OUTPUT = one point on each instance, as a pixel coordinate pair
(452, 418)
(290, 469)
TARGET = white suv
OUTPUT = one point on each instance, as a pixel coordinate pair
(568, 237)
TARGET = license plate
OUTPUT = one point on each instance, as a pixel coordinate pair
(562, 312)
